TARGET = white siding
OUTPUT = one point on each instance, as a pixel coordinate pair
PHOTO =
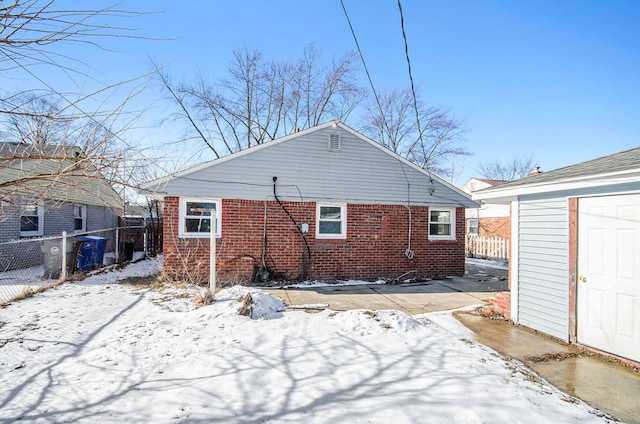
(543, 252)
(359, 173)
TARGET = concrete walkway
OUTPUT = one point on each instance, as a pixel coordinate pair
(607, 386)
(478, 285)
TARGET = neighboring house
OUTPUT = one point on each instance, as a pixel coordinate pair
(323, 203)
(45, 190)
(575, 268)
(490, 219)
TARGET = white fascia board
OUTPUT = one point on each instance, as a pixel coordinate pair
(503, 195)
(156, 195)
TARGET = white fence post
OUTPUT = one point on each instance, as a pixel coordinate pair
(63, 272)
(212, 253)
(487, 247)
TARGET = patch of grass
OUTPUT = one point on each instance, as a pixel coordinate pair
(246, 305)
(369, 313)
(570, 399)
(28, 326)
(203, 298)
(77, 276)
(30, 292)
(154, 282)
(553, 357)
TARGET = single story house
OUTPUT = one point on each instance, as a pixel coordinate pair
(47, 189)
(575, 268)
(322, 203)
(490, 219)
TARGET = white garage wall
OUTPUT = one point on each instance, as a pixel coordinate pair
(543, 252)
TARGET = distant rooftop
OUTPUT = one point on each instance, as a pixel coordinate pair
(492, 182)
(616, 162)
(21, 150)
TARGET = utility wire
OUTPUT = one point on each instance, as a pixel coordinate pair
(364, 65)
(413, 92)
(373, 88)
(408, 252)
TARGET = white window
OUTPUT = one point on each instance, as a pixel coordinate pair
(442, 223)
(472, 226)
(79, 218)
(195, 217)
(331, 221)
(32, 221)
(334, 143)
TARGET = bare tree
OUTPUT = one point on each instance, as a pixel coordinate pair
(509, 170)
(30, 30)
(391, 121)
(263, 100)
(54, 140)
(32, 119)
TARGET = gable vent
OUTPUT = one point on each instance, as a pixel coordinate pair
(334, 142)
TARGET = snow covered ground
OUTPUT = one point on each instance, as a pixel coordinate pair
(16, 282)
(98, 351)
(498, 264)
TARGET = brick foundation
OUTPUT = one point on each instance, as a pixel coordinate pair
(374, 248)
(500, 304)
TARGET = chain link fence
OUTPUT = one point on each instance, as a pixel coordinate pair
(30, 265)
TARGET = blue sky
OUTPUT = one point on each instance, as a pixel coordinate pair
(557, 81)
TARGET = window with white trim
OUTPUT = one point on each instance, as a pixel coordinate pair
(195, 217)
(472, 226)
(331, 221)
(32, 220)
(442, 223)
(79, 218)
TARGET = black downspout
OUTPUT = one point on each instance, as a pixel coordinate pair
(304, 237)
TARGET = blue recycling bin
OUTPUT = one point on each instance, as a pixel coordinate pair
(91, 253)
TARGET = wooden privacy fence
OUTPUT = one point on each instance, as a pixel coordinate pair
(487, 247)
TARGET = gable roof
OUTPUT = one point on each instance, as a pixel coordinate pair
(53, 172)
(476, 184)
(490, 182)
(616, 168)
(362, 171)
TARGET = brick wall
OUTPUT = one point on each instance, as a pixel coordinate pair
(374, 247)
(495, 227)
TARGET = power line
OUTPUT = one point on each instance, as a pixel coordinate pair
(408, 252)
(413, 92)
(364, 65)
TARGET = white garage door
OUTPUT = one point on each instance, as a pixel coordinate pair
(608, 298)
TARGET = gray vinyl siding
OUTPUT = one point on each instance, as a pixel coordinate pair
(308, 171)
(57, 217)
(543, 252)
